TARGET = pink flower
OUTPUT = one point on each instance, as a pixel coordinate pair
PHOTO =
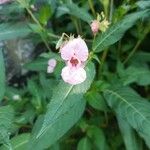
(75, 53)
(51, 65)
(95, 26)
(4, 1)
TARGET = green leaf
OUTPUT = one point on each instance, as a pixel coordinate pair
(140, 57)
(96, 100)
(11, 10)
(140, 75)
(84, 144)
(18, 142)
(6, 122)
(132, 108)
(44, 14)
(64, 110)
(79, 13)
(143, 4)
(11, 31)
(2, 76)
(97, 137)
(116, 31)
(40, 64)
(35, 91)
(128, 135)
(73, 9)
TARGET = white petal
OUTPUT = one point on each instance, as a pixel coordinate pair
(73, 76)
(50, 69)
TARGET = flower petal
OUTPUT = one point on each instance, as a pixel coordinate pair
(51, 65)
(67, 51)
(52, 62)
(81, 49)
(50, 69)
(73, 76)
(76, 47)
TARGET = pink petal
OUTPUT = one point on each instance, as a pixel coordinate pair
(51, 65)
(81, 49)
(67, 51)
(52, 62)
(73, 76)
(76, 47)
(95, 26)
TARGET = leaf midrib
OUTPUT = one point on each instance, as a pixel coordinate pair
(140, 72)
(115, 29)
(130, 105)
(10, 32)
(26, 141)
(44, 130)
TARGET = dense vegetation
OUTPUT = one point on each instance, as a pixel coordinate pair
(110, 110)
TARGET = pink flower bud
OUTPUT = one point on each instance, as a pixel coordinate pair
(95, 26)
(51, 65)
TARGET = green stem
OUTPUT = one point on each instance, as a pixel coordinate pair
(111, 10)
(40, 26)
(38, 23)
(74, 20)
(92, 7)
(133, 51)
(137, 45)
(104, 55)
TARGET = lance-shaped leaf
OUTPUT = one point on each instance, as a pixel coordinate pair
(6, 121)
(128, 135)
(18, 142)
(11, 31)
(132, 108)
(64, 110)
(116, 31)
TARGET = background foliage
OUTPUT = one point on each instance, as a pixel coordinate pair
(109, 111)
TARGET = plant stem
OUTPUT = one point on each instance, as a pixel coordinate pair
(104, 55)
(92, 7)
(38, 23)
(111, 10)
(75, 22)
(103, 58)
(133, 51)
(40, 26)
(136, 46)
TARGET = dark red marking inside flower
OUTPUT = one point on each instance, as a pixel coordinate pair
(74, 61)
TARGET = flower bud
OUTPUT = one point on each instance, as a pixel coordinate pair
(51, 65)
(104, 25)
(95, 26)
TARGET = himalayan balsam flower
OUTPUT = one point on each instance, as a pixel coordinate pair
(75, 53)
(4, 1)
(51, 65)
(95, 26)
